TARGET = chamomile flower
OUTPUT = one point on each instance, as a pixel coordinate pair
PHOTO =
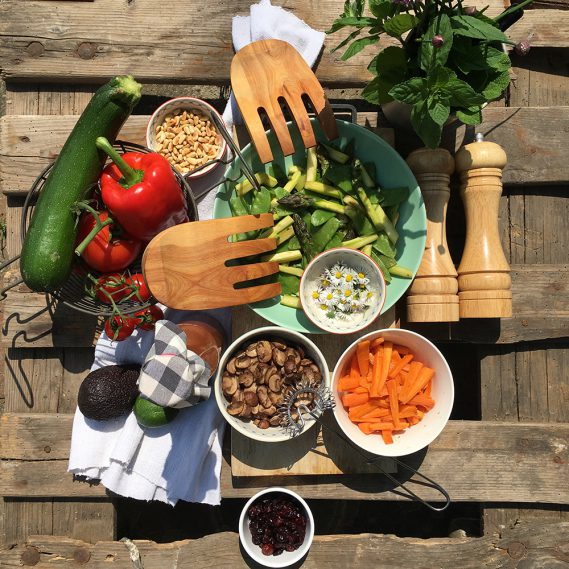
(351, 277)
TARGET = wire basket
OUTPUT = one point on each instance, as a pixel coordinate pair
(73, 292)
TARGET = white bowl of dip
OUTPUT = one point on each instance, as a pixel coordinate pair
(310, 284)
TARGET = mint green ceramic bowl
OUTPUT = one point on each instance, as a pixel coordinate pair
(392, 171)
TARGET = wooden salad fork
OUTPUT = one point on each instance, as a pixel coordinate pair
(185, 266)
(265, 74)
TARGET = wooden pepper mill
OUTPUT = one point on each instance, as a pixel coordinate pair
(432, 296)
(484, 281)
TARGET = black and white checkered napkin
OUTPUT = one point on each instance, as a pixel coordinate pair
(173, 376)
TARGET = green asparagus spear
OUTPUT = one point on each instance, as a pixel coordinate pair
(311, 165)
(398, 271)
(302, 232)
(359, 242)
(325, 190)
(377, 216)
(291, 270)
(291, 301)
(262, 177)
(284, 257)
(335, 154)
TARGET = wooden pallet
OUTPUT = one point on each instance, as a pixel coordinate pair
(516, 455)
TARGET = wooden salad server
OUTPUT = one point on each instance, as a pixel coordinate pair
(185, 266)
(484, 282)
(265, 74)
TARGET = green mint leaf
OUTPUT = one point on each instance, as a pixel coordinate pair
(344, 21)
(382, 9)
(348, 39)
(377, 91)
(439, 77)
(468, 56)
(472, 115)
(472, 27)
(357, 45)
(400, 24)
(497, 84)
(438, 111)
(430, 55)
(462, 94)
(411, 92)
(391, 64)
(354, 8)
(427, 129)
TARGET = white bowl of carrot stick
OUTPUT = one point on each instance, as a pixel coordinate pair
(394, 392)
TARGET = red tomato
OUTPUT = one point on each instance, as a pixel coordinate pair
(119, 327)
(107, 287)
(105, 252)
(148, 317)
(139, 287)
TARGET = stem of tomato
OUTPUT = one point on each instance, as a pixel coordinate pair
(99, 225)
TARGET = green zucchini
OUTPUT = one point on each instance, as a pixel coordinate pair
(47, 253)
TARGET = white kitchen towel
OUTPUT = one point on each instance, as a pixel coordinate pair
(271, 22)
(180, 461)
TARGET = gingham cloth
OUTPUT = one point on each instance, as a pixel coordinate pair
(172, 375)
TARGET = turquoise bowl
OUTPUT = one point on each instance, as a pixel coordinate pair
(392, 171)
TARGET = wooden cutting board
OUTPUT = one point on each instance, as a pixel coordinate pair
(313, 453)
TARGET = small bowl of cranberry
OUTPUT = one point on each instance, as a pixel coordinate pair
(276, 527)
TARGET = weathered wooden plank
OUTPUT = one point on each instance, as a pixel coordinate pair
(90, 45)
(536, 546)
(506, 462)
(30, 143)
(534, 140)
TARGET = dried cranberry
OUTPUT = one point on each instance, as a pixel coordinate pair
(267, 548)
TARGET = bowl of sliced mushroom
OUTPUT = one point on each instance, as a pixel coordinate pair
(257, 372)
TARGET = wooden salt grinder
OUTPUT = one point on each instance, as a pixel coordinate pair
(432, 296)
(484, 273)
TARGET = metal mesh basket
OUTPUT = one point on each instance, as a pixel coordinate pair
(73, 292)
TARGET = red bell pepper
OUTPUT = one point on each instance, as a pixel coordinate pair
(100, 246)
(142, 192)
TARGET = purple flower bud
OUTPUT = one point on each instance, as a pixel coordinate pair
(522, 48)
(438, 41)
(406, 3)
(470, 11)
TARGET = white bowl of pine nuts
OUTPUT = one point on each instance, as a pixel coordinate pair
(183, 131)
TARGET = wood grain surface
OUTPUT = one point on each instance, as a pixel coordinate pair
(183, 273)
(506, 462)
(537, 546)
(265, 74)
(90, 44)
(534, 138)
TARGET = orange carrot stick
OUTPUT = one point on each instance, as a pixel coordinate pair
(377, 413)
(360, 389)
(376, 373)
(387, 349)
(387, 437)
(376, 343)
(423, 401)
(362, 353)
(382, 426)
(348, 382)
(414, 369)
(360, 410)
(425, 375)
(354, 368)
(393, 402)
(399, 367)
(353, 399)
(403, 350)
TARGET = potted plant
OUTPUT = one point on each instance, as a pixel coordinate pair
(449, 59)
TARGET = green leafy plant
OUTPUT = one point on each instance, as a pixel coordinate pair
(450, 60)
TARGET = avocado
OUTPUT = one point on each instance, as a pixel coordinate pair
(109, 392)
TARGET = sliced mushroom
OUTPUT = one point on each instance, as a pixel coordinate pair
(301, 352)
(270, 411)
(294, 353)
(264, 424)
(251, 389)
(264, 351)
(235, 408)
(305, 362)
(260, 373)
(275, 421)
(263, 395)
(256, 422)
(289, 366)
(251, 399)
(256, 410)
(308, 374)
(317, 372)
(251, 350)
(229, 385)
(276, 398)
(246, 413)
(279, 357)
(246, 379)
(279, 345)
(275, 383)
(242, 361)
(238, 396)
(230, 367)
